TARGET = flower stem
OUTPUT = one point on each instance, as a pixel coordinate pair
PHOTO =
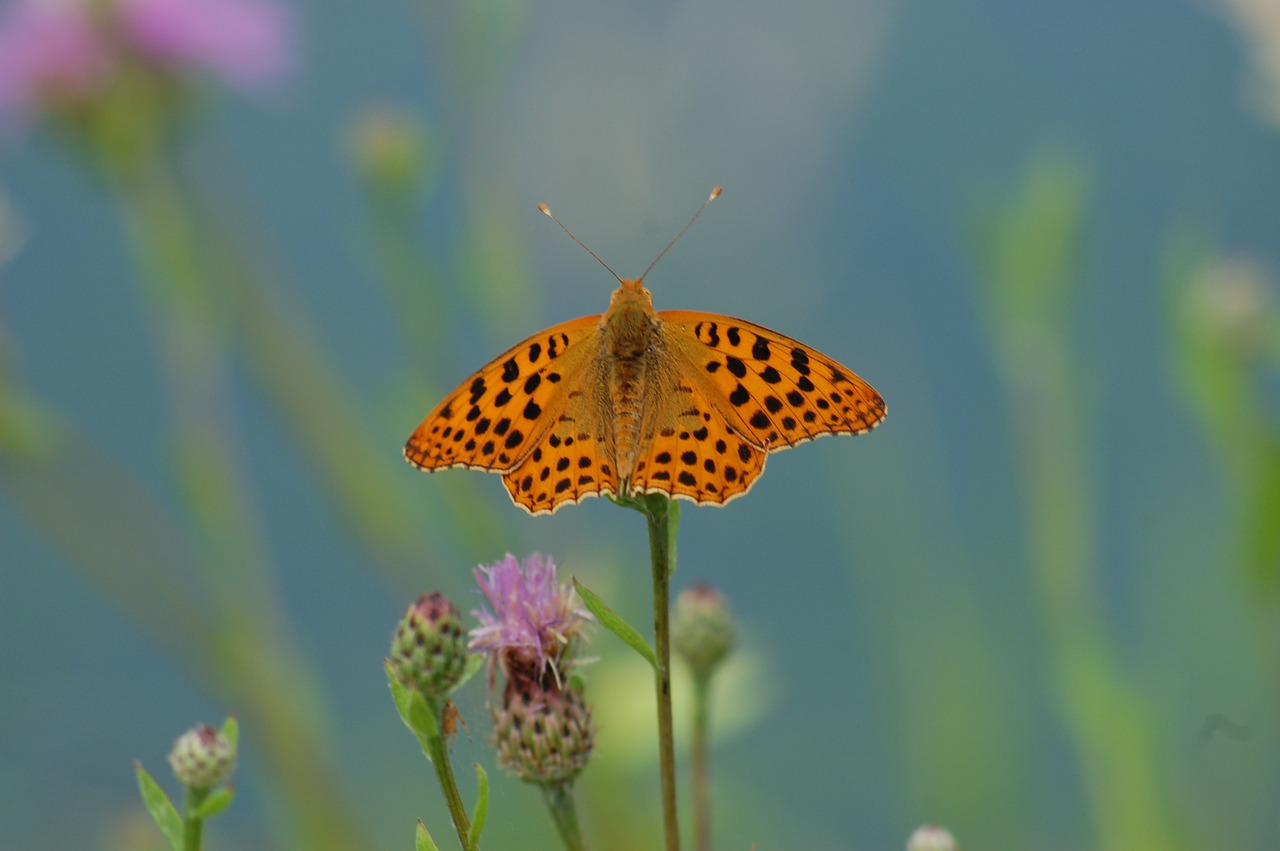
(661, 512)
(438, 750)
(700, 765)
(192, 827)
(565, 814)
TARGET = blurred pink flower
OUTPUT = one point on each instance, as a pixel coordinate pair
(50, 49)
(243, 42)
(67, 51)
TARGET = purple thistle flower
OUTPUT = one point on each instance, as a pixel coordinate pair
(533, 619)
(49, 50)
(66, 52)
(242, 42)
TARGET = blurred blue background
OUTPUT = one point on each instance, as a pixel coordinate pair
(1037, 605)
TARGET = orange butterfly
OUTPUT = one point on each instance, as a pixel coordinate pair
(637, 401)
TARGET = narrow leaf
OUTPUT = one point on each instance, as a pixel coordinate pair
(423, 840)
(611, 621)
(481, 811)
(414, 711)
(161, 809)
(628, 502)
(231, 729)
(218, 800)
(399, 693)
(422, 717)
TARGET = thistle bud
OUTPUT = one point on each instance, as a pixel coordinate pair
(202, 758)
(1230, 302)
(543, 734)
(931, 838)
(702, 629)
(389, 148)
(429, 647)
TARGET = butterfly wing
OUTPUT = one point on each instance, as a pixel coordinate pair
(496, 418)
(777, 391)
(742, 391)
(574, 458)
(694, 453)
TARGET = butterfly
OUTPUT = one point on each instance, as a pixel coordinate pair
(636, 401)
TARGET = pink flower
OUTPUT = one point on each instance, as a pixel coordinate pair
(67, 52)
(50, 49)
(243, 42)
(533, 619)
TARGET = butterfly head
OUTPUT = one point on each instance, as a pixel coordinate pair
(631, 293)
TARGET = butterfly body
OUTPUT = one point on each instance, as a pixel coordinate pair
(637, 400)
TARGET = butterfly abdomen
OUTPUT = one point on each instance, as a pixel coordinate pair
(625, 400)
(630, 332)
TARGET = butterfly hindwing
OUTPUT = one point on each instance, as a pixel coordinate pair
(496, 417)
(777, 391)
(695, 454)
(572, 461)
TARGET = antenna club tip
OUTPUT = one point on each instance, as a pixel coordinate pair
(715, 193)
(544, 209)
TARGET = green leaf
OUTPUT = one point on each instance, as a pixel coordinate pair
(399, 693)
(423, 840)
(474, 663)
(422, 716)
(481, 811)
(231, 729)
(218, 800)
(610, 620)
(162, 810)
(414, 711)
(628, 502)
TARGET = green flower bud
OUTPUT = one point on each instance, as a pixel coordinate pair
(931, 838)
(202, 758)
(429, 647)
(702, 629)
(543, 735)
(389, 148)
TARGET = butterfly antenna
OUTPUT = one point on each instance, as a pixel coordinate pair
(715, 193)
(543, 208)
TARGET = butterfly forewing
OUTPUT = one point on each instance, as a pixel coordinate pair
(777, 391)
(494, 419)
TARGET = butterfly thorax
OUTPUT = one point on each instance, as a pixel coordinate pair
(629, 332)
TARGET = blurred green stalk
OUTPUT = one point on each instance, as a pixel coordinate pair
(1028, 267)
(1226, 345)
(392, 158)
(700, 763)
(254, 658)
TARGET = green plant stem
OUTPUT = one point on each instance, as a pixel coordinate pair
(253, 658)
(1031, 273)
(565, 814)
(192, 827)
(660, 511)
(438, 750)
(700, 764)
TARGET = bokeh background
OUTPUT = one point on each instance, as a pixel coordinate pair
(1040, 605)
